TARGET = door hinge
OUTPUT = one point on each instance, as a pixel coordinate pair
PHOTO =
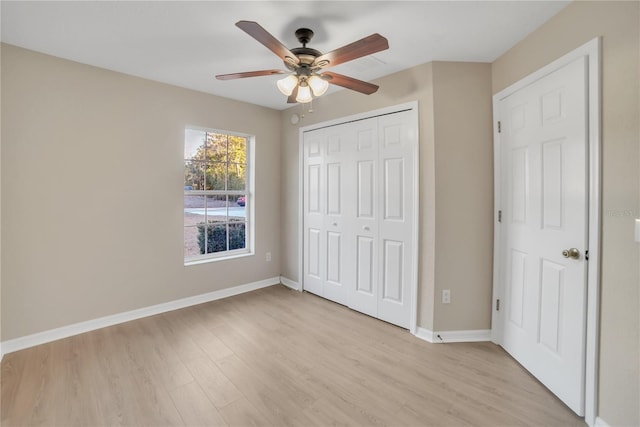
(499, 127)
(497, 305)
(499, 216)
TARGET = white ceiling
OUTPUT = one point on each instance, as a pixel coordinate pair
(186, 43)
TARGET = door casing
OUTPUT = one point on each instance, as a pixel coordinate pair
(592, 51)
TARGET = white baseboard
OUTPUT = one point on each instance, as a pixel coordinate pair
(600, 423)
(289, 283)
(436, 337)
(27, 341)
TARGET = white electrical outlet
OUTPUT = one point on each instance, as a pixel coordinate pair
(446, 296)
(268, 256)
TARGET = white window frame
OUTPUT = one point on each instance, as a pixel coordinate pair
(249, 202)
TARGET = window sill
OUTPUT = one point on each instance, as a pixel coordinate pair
(217, 259)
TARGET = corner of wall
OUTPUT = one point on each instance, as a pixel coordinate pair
(1, 353)
(426, 296)
(463, 139)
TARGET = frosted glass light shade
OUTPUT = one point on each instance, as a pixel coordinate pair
(304, 95)
(318, 85)
(287, 84)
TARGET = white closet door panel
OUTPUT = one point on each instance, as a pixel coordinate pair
(340, 247)
(314, 260)
(365, 274)
(392, 262)
(313, 189)
(334, 254)
(365, 188)
(363, 296)
(396, 224)
(394, 189)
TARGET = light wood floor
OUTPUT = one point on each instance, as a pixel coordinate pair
(270, 357)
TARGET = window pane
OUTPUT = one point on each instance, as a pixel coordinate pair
(237, 207)
(193, 217)
(216, 237)
(216, 148)
(217, 208)
(194, 144)
(237, 176)
(191, 247)
(237, 236)
(193, 176)
(237, 149)
(193, 210)
(216, 176)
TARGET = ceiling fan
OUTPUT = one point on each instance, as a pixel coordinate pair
(304, 64)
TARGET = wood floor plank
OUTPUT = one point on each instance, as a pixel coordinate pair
(266, 395)
(215, 384)
(269, 357)
(194, 406)
(242, 413)
(135, 395)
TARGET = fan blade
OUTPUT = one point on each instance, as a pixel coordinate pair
(249, 74)
(350, 83)
(292, 98)
(363, 47)
(263, 36)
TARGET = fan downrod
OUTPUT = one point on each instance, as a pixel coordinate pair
(304, 36)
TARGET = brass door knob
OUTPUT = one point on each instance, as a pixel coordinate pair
(572, 253)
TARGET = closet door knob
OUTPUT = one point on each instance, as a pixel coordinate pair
(365, 227)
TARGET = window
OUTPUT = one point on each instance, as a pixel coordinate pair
(216, 195)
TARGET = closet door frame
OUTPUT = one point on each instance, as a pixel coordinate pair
(408, 107)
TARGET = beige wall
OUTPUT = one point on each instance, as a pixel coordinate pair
(617, 23)
(455, 170)
(0, 197)
(464, 195)
(92, 192)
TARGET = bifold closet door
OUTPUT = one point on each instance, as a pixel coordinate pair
(328, 212)
(358, 215)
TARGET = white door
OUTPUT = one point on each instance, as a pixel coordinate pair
(363, 295)
(327, 171)
(359, 221)
(338, 173)
(314, 212)
(398, 140)
(543, 141)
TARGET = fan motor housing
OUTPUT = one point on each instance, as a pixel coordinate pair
(306, 55)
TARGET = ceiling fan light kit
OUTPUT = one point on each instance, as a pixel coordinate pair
(304, 94)
(306, 80)
(318, 85)
(287, 84)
